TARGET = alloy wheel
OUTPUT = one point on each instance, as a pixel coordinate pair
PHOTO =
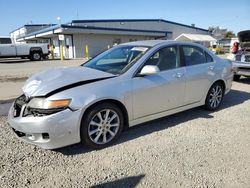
(215, 96)
(104, 126)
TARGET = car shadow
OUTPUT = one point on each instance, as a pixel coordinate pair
(233, 98)
(131, 181)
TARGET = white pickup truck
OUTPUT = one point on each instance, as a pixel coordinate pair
(33, 51)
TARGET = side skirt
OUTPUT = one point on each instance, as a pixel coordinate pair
(165, 113)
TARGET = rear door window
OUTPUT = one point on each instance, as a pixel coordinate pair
(166, 58)
(209, 59)
(193, 55)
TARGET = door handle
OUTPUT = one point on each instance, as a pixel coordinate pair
(211, 67)
(179, 75)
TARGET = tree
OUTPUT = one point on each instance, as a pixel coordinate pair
(229, 34)
(220, 33)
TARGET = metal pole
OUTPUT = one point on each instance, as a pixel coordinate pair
(87, 51)
(61, 50)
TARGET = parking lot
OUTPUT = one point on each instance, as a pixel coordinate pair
(14, 72)
(195, 148)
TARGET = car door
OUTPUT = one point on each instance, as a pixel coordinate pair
(199, 72)
(163, 91)
(7, 50)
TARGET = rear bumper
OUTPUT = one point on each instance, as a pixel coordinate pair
(48, 132)
(228, 82)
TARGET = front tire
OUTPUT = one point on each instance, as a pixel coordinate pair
(101, 125)
(214, 97)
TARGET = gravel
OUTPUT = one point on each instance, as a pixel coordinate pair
(195, 148)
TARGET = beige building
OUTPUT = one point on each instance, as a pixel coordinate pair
(99, 35)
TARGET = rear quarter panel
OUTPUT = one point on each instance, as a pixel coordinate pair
(224, 71)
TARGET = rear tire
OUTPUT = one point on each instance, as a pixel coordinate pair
(36, 56)
(214, 97)
(101, 125)
(236, 77)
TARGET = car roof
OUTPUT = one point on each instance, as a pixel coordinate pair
(152, 43)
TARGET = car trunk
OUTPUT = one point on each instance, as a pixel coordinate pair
(244, 39)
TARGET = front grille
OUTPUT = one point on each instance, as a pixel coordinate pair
(238, 57)
(247, 58)
(19, 102)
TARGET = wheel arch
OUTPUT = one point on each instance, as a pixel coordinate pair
(206, 105)
(36, 49)
(222, 82)
(116, 102)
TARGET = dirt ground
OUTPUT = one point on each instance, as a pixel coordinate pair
(195, 148)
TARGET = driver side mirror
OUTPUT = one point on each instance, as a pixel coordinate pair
(149, 70)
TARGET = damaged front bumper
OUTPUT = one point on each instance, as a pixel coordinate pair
(46, 131)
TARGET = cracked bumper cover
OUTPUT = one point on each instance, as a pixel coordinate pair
(60, 129)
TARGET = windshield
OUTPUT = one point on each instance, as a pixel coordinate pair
(116, 60)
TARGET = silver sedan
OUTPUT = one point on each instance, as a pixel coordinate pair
(127, 85)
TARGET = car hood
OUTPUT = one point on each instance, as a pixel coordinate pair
(56, 80)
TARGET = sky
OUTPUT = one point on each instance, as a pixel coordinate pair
(231, 14)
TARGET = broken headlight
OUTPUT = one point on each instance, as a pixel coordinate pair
(42, 106)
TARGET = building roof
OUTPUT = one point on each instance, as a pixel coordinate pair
(93, 29)
(32, 25)
(195, 37)
(72, 26)
(138, 20)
